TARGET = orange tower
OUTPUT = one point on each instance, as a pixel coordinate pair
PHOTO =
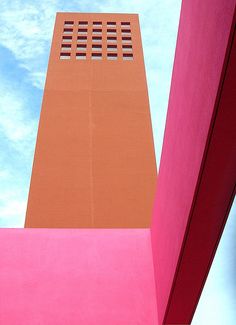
(94, 163)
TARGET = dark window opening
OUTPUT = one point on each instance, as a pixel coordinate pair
(81, 56)
(68, 22)
(68, 30)
(67, 38)
(64, 55)
(125, 23)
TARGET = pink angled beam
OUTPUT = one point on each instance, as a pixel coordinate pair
(197, 176)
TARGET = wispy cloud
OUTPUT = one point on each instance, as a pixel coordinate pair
(26, 30)
(12, 208)
(17, 138)
(15, 124)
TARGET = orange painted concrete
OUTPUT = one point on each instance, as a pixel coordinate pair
(94, 163)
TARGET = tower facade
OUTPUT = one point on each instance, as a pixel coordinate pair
(94, 164)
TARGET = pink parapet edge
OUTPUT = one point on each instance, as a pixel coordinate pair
(76, 276)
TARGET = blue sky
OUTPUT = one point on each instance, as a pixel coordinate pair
(26, 31)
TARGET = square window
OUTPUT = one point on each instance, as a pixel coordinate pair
(127, 48)
(126, 39)
(64, 56)
(125, 24)
(97, 31)
(68, 23)
(111, 23)
(81, 56)
(97, 39)
(67, 30)
(83, 23)
(97, 47)
(66, 39)
(81, 39)
(128, 56)
(111, 39)
(97, 23)
(112, 56)
(112, 48)
(96, 56)
(66, 47)
(83, 31)
(111, 31)
(126, 32)
(82, 47)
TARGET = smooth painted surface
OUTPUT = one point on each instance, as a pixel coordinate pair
(94, 162)
(197, 170)
(76, 276)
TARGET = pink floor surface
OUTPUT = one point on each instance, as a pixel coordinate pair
(53, 277)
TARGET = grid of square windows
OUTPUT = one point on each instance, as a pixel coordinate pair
(97, 40)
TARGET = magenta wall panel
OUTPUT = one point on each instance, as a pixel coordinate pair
(197, 171)
(76, 276)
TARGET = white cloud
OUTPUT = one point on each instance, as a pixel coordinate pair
(26, 30)
(16, 125)
(12, 209)
(17, 139)
(4, 174)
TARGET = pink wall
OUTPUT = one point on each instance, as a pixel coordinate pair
(90, 277)
(197, 170)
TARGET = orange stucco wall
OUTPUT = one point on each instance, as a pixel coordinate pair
(94, 163)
